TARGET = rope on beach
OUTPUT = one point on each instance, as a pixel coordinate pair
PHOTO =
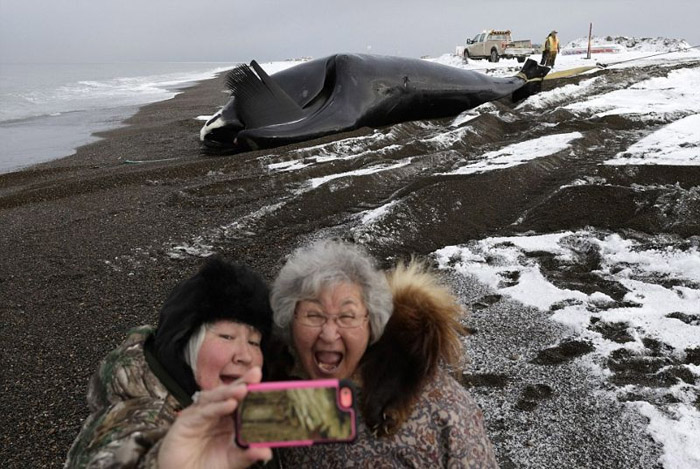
(148, 161)
(578, 70)
(645, 57)
(569, 72)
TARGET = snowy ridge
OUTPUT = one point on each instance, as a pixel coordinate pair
(603, 245)
(627, 315)
(631, 44)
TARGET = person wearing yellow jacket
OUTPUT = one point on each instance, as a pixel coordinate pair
(551, 49)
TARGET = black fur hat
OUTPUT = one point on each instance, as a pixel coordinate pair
(220, 290)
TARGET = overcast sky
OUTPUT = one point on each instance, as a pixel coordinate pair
(265, 30)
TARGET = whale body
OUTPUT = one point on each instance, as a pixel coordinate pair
(344, 92)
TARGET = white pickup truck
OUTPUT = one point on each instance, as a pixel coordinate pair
(494, 45)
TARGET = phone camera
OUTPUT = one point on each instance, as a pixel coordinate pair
(345, 398)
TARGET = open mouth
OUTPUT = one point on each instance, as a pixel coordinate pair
(228, 379)
(328, 362)
(219, 135)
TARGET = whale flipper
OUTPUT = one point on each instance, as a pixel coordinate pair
(260, 101)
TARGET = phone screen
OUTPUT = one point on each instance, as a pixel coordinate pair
(296, 413)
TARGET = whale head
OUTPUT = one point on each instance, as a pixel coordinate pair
(221, 130)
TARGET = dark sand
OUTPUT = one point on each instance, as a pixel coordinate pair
(87, 254)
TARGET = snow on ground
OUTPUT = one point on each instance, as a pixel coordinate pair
(519, 153)
(675, 144)
(675, 94)
(649, 310)
(661, 301)
(623, 261)
(630, 44)
(678, 431)
(344, 149)
(316, 182)
(559, 95)
(633, 52)
(662, 285)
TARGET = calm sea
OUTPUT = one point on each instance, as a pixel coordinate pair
(48, 110)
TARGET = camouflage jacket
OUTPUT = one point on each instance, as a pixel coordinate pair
(131, 410)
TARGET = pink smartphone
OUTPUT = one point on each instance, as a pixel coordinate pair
(297, 413)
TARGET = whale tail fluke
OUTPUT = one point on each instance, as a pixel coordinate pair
(533, 71)
(259, 100)
(533, 74)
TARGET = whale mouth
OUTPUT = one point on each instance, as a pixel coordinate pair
(220, 138)
(220, 132)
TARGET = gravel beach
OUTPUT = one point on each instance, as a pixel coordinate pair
(92, 244)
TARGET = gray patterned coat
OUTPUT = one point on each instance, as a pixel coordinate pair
(445, 429)
(413, 414)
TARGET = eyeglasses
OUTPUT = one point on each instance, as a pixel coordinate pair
(314, 319)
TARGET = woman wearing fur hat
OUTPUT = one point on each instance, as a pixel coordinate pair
(393, 335)
(166, 395)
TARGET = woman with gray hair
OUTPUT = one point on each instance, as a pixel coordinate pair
(332, 264)
(395, 335)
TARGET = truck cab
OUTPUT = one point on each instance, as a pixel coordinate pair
(495, 44)
(484, 43)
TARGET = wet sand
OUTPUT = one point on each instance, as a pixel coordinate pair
(90, 251)
(83, 241)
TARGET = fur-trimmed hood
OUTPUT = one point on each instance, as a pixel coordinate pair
(423, 333)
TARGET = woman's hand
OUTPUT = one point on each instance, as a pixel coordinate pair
(203, 434)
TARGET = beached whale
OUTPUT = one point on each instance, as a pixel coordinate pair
(344, 92)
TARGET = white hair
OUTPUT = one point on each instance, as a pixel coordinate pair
(192, 348)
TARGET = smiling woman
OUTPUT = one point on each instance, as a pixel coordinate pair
(209, 343)
(392, 334)
(228, 350)
(338, 313)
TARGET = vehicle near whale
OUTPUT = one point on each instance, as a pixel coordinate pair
(344, 92)
(494, 45)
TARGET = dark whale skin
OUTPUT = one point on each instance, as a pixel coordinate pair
(344, 92)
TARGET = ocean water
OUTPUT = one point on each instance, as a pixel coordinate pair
(48, 110)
